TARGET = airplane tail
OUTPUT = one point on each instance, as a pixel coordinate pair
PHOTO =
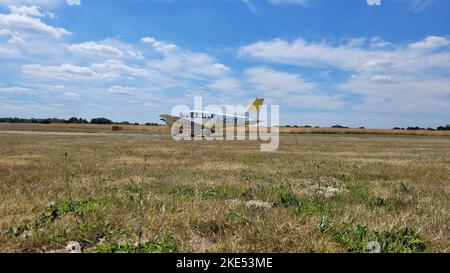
(169, 120)
(255, 106)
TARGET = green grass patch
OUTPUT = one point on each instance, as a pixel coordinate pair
(355, 238)
(390, 203)
(221, 193)
(315, 204)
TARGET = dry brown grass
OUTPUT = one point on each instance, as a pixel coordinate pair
(89, 128)
(388, 183)
(152, 129)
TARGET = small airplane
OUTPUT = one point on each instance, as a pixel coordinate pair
(203, 122)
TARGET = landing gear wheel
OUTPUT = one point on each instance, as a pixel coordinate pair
(175, 131)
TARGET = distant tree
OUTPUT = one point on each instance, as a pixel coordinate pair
(101, 121)
(444, 128)
(337, 126)
(415, 128)
(76, 120)
(124, 123)
(42, 121)
(82, 121)
(152, 124)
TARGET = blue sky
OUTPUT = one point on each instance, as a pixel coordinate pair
(373, 63)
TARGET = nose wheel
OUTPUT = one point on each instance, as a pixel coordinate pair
(176, 131)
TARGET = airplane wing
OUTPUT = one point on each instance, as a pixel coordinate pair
(171, 120)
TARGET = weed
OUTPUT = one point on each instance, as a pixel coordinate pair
(246, 192)
(69, 174)
(208, 193)
(167, 245)
(390, 203)
(377, 202)
(182, 192)
(285, 195)
(404, 189)
(238, 217)
(214, 228)
(221, 192)
(324, 225)
(141, 208)
(355, 238)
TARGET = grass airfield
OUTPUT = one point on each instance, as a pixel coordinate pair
(140, 191)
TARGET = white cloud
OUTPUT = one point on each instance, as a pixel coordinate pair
(22, 23)
(109, 62)
(419, 5)
(277, 83)
(160, 46)
(378, 42)
(118, 69)
(291, 89)
(386, 86)
(374, 2)
(301, 53)
(26, 10)
(99, 73)
(222, 67)
(9, 53)
(254, 9)
(74, 2)
(41, 3)
(383, 75)
(34, 11)
(250, 6)
(96, 48)
(63, 72)
(226, 84)
(105, 49)
(431, 42)
(15, 90)
(110, 70)
(121, 90)
(24, 34)
(381, 78)
(289, 2)
(70, 95)
(401, 59)
(184, 63)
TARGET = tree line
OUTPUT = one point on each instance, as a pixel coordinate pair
(72, 120)
(102, 120)
(440, 128)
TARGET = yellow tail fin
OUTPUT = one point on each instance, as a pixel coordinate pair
(256, 105)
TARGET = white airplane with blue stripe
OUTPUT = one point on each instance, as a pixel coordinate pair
(204, 122)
